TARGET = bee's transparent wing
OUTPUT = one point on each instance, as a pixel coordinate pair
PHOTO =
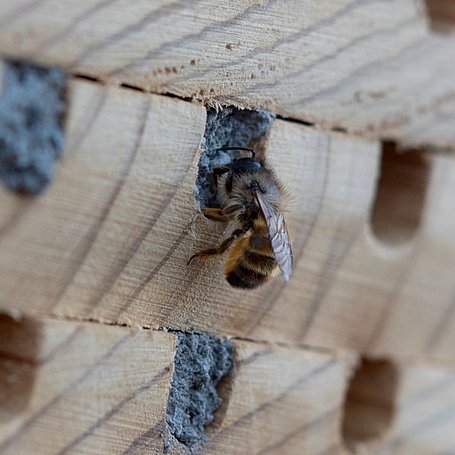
(278, 235)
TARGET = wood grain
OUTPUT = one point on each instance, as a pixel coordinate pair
(98, 389)
(425, 412)
(93, 388)
(101, 389)
(282, 401)
(111, 238)
(372, 67)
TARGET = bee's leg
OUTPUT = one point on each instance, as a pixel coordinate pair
(214, 214)
(220, 249)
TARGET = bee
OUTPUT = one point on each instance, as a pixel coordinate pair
(251, 196)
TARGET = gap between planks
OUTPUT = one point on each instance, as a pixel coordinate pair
(281, 344)
(335, 353)
(310, 124)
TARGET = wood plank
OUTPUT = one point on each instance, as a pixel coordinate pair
(115, 145)
(90, 388)
(425, 415)
(371, 67)
(96, 389)
(282, 401)
(399, 408)
(388, 287)
(111, 238)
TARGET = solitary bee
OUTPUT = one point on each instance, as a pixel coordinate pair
(251, 195)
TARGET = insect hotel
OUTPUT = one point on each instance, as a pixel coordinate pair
(227, 227)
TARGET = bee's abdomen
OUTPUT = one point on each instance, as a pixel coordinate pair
(248, 268)
(241, 277)
(258, 262)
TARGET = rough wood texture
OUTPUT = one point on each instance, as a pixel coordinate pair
(111, 238)
(425, 416)
(99, 389)
(80, 388)
(109, 241)
(283, 401)
(372, 67)
(90, 389)
(402, 409)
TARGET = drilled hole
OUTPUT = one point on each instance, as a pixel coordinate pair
(370, 403)
(442, 15)
(19, 344)
(400, 195)
(230, 127)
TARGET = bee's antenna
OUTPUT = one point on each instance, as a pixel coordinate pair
(253, 153)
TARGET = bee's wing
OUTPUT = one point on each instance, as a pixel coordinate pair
(278, 234)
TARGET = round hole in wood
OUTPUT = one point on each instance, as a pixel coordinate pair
(19, 345)
(400, 195)
(441, 14)
(370, 404)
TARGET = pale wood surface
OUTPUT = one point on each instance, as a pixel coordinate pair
(283, 401)
(425, 416)
(110, 239)
(99, 389)
(92, 389)
(372, 67)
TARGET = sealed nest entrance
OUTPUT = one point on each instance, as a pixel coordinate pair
(201, 361)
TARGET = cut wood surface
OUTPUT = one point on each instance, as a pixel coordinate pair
(372, 67)
(425, 414)
(283, 401)
(95, 389)
(355, 353)
(83, 388)
(110, 239)
(90, 389)
(405, 409)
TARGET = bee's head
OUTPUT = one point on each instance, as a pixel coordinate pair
(244, 166)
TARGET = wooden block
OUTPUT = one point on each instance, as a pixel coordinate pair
(70, 387)
(111, 238)
(425, 415)
(404, 408)
(282, 401)
(382, 291)
(81, 388)
(119, 143)
(372, 68)
(94, 389)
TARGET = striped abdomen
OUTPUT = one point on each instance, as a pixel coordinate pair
(252, 261)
